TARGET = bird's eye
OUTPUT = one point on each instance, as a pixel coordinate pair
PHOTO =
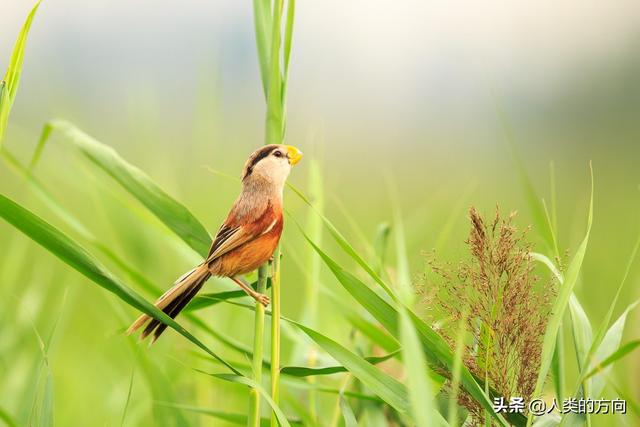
(277, 153)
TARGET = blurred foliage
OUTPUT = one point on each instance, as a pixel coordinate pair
(63, 355)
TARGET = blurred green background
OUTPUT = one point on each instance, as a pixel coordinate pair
(407, 93)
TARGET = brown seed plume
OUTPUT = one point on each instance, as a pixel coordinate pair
(505, 303)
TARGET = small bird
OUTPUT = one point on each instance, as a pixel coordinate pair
(246, 239)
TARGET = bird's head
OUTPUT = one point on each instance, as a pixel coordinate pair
(271, 163)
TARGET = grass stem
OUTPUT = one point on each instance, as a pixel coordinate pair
(275, 332)
(258, 348)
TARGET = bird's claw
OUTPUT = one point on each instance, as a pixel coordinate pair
(262, 299)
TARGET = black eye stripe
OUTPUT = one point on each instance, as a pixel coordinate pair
(261, 154)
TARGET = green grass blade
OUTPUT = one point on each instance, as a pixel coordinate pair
(262, 25)
(380, 243)
(558, 365)
(624, 394)
(282, 419)
(418, 384)
(45, 416)
(345, 245)
(208, 299)
(615, 356)
(173, 214)
(3, 86)
(161, 390)
(307, 418)
(373, 332)
(546, 224)
(275, 117)
(11, 81)
(302, 384)
(605, 322)
(303, 371)
(288, 38)
(7, 418)
(128, 399)
(609, 345)
(347, 413)
(384, 386)
(60, 211)
(547, 420)
(43, 403)
(560, 305)
(78, 258)
(286, 54)
(434, 346)
(258, 350)
(12, 76)
(582, 336)
(381, 310)
(75, 224)
(387, 388)
(452, 413)
(239, 419)
(582, 332)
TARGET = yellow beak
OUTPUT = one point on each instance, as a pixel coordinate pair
(294, 154)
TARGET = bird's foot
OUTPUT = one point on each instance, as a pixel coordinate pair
(261, 298)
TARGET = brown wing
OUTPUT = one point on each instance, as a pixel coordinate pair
(231, 236)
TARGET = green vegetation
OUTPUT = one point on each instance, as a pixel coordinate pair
(351, 340)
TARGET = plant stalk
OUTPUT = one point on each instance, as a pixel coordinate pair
(275, 135)
(275, 332)
(253, 419)
(275, 118)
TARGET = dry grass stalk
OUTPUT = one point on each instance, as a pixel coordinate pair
(507, 307)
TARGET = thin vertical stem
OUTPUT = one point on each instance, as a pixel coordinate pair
(261, 21)
(452, 417)
(262, 24)
(253, 419)
(275, 332)
(274, 125)
(274, 84)
(275, 135)
(288, 36)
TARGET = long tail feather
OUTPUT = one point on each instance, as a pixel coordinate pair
(172, 302)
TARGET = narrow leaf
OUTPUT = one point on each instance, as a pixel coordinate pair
(609, 345)
(238, 379)
(582, 332)
(616, 355)
(418, 384)
(239, 419)
(209, 299)
(303, 371)
(172, 213)
(434, 346)
(347, 413)
(78, 258)
(602, 331)
(8, 419)
(346, 246)
(560, 305)
(9, 85)
(387, 388)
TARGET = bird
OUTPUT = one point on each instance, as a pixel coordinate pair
(246, 239)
